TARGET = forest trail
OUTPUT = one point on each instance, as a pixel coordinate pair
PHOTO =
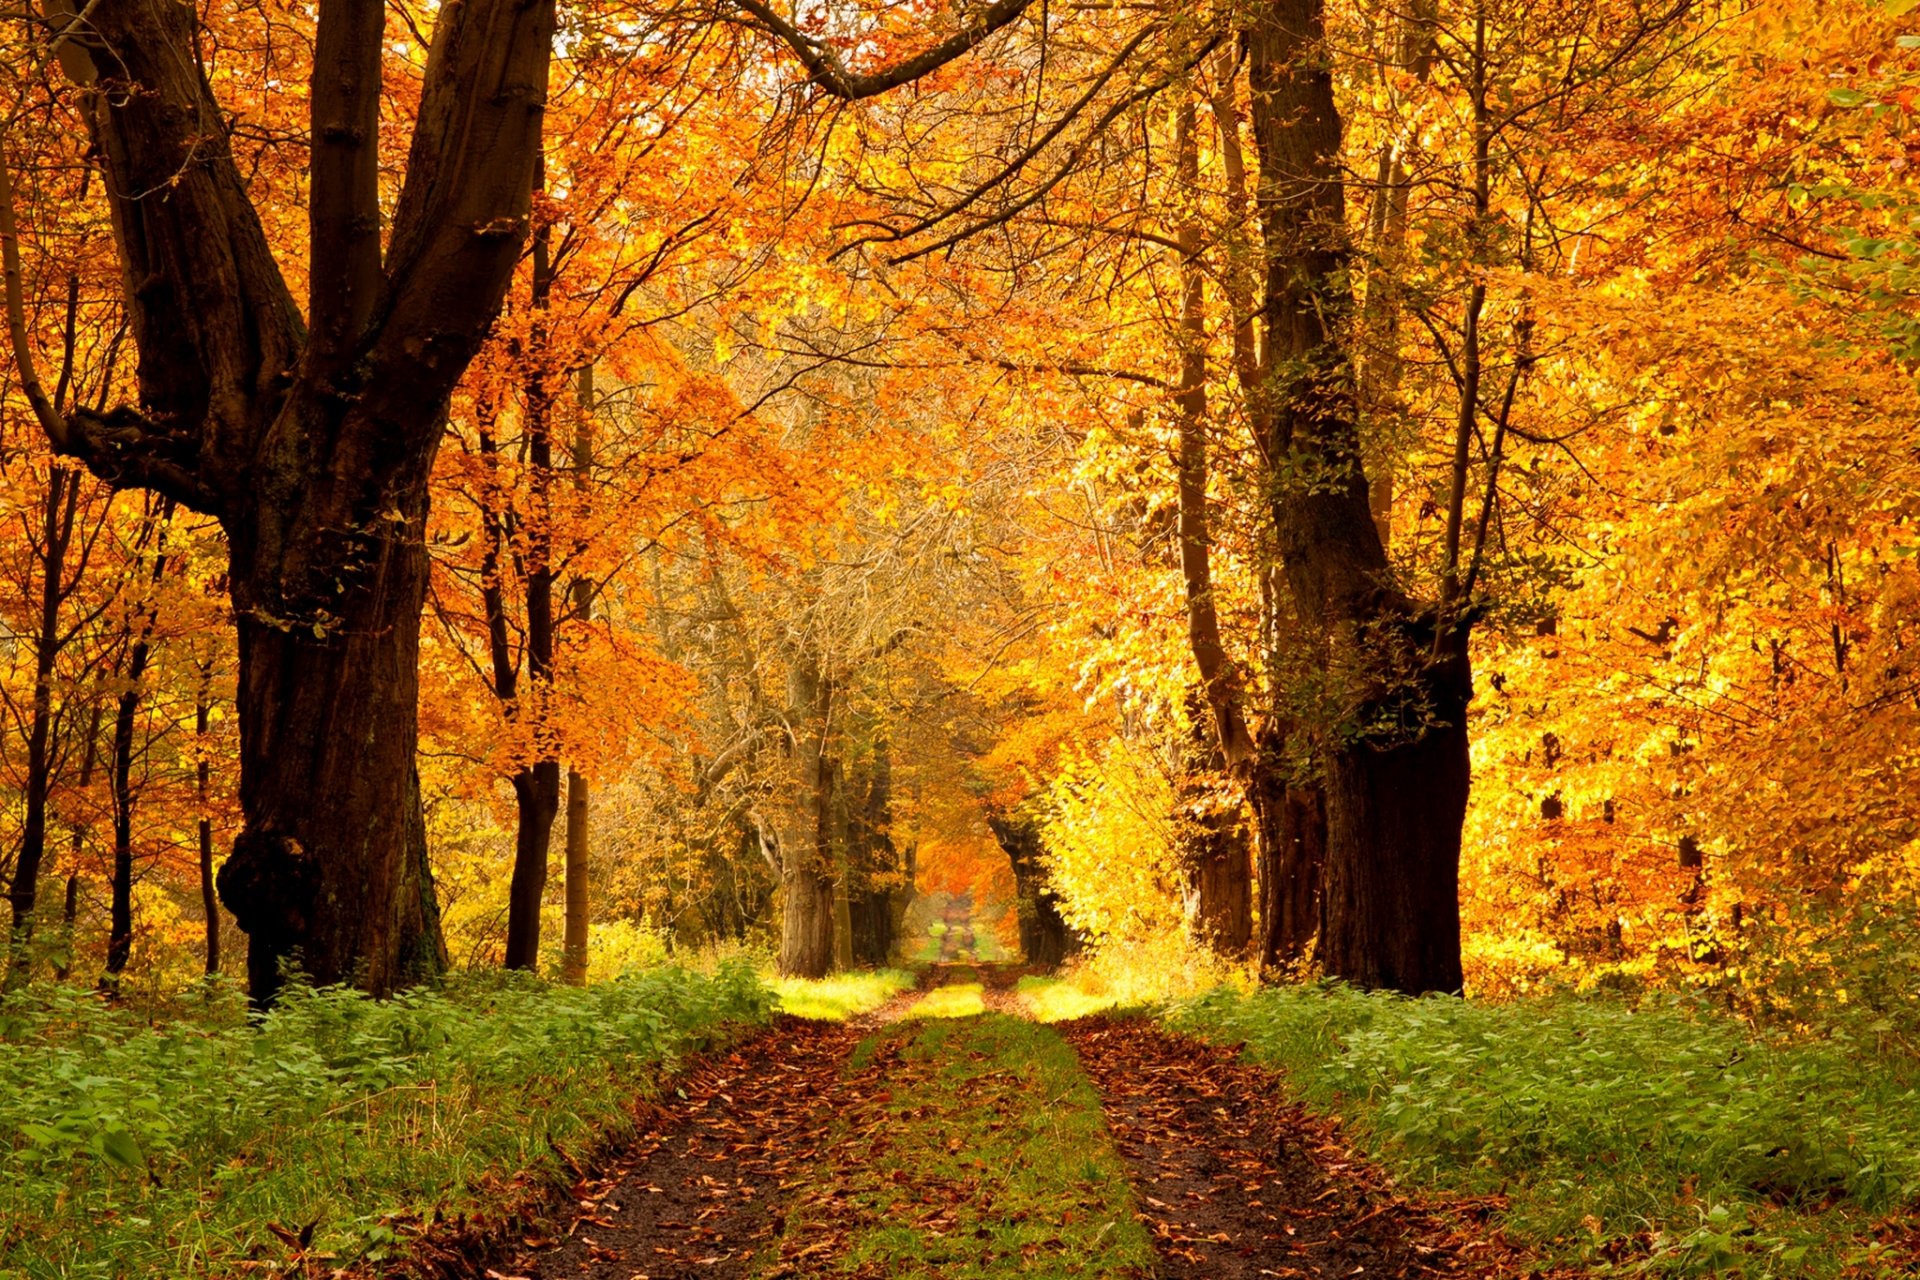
(946, 1135)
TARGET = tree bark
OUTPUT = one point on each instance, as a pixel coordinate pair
(1396, 796)
(536, 787)
(139, 652)
(1293, 849)
(312, 442)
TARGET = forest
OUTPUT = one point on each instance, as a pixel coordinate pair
(960, 639)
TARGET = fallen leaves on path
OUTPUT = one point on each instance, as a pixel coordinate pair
(700, 1190)
(1236, 1184)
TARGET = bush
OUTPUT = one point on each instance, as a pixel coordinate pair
(130, 1147)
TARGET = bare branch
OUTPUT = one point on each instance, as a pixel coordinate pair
(831, 74)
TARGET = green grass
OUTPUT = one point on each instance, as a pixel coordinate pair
(1664, 1140)
(841, 996)
(132, 1148)
(1053, 1000)
(984, 1157)
(954, 1000)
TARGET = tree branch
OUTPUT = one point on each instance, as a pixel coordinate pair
(831, 74)
(343, 208)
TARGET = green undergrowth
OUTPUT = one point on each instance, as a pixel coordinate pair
(840, 996)
(1659, 1140)
(134, 1147)
(985, 1156)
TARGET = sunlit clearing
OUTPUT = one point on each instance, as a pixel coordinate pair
(841, 996)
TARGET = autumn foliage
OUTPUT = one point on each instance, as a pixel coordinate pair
(878, 484)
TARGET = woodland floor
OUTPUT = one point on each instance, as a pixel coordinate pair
(950, 1135)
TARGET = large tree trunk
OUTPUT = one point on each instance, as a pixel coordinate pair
(1391, 910)
(1395, 797)
(312, 440)
(806, 919)
(331, 869)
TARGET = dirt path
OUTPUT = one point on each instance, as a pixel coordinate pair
(1232, 1182)
(701, 1191)
(922, 1144)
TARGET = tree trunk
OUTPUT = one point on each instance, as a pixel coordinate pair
(56, 531)
(1395, 798)
(536, 788)
(871, 904)
(1293, 846)
(331, 869)
(120, 916)
(1045, 937)
(807, 926)
(536, 794)
(203, 779)
(806, 920)
(573, 946)
(312, 440)
(1219, 889)
(139, 652)
(1213, 844)
(1391, 908)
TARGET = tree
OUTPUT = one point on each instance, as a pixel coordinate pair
(311, 438)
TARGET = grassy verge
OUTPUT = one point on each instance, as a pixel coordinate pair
(841, 996)
(1053, 999)
(1664, 1140)
(130, 1148)
(985, 1156)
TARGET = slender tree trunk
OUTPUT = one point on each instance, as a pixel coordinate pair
(203, 780)
(1395, 800)
(1214, 850)
(120, 920)
(1381, 371)
(56, 532)
(76, 842)
(573, 952)
(139, 652)
(536, 788)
